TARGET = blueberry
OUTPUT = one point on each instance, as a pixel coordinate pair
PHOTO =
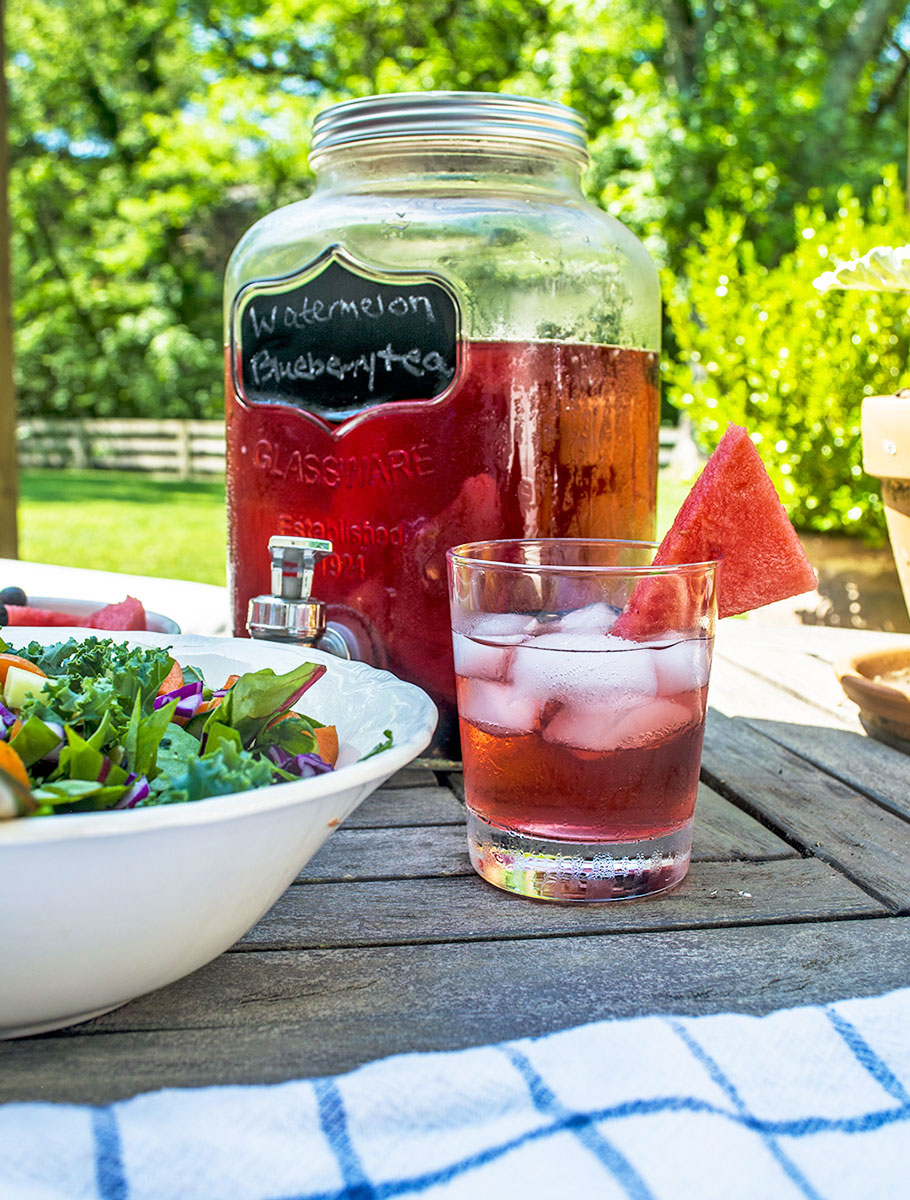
(4, 615)
(12, 595)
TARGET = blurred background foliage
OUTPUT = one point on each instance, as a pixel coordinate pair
(750, 143)
(759, 345)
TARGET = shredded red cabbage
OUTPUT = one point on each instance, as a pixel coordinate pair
(303, 765)
(131, 797)
(53, 756)
(188, 698)
(181, 693)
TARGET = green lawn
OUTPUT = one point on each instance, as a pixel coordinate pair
(124, 521)
(142, 525)
(671, 491)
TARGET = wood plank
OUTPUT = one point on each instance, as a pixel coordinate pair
(292, 1015)
(411, 776)
(773, 643)
(455, 781)
(391, 807)
(124, 427)
(722, 831)
(804, 684)
(849, 754)
(827, 817)
(800, 660)
(415, 852)
(411, 911)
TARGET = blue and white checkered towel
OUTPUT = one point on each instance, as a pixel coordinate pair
(808, 1102)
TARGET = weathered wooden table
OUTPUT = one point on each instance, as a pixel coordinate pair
(798, 893)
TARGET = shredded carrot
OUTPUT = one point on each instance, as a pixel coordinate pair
(12, 764)
(327, 743)
(326, 738)
(171, 681)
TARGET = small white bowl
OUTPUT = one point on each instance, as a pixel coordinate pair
(156, 622)
(99, 908)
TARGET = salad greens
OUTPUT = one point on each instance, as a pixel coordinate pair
(109, 728)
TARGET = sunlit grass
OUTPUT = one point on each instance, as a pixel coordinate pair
(672, 489)
(124, 521)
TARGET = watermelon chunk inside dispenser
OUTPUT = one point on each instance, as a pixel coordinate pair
(446, 342)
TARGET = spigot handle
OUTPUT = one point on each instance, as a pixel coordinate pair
(293, 561)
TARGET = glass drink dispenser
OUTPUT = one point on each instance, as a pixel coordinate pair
(444, 343)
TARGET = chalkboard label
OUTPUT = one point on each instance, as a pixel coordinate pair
(338, 337)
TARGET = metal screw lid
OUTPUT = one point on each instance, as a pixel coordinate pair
(478, 116)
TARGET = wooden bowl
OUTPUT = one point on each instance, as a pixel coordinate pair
(878, 681)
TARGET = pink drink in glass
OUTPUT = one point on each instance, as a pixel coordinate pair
(581, 750)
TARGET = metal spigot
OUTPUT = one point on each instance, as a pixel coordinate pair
(291, 613)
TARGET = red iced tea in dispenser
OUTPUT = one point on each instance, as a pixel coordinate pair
(445, 343)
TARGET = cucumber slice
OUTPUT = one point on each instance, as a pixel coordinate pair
(19, 684)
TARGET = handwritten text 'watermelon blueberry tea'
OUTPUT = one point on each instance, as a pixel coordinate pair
(581, 747)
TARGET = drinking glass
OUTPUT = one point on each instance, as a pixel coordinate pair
(582, 677)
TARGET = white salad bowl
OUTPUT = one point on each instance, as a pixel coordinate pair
(101, 907)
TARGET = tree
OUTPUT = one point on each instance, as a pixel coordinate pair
(146, 138)
(749, 107)
(8, 475)
(767, 351)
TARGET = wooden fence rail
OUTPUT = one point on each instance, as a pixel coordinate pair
(188, 448)
(169, 447)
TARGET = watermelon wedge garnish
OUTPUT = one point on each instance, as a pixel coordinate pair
(732, 514)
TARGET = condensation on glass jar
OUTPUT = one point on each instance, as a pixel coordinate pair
(445, 343)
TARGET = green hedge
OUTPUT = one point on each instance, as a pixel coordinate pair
(763, 348)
